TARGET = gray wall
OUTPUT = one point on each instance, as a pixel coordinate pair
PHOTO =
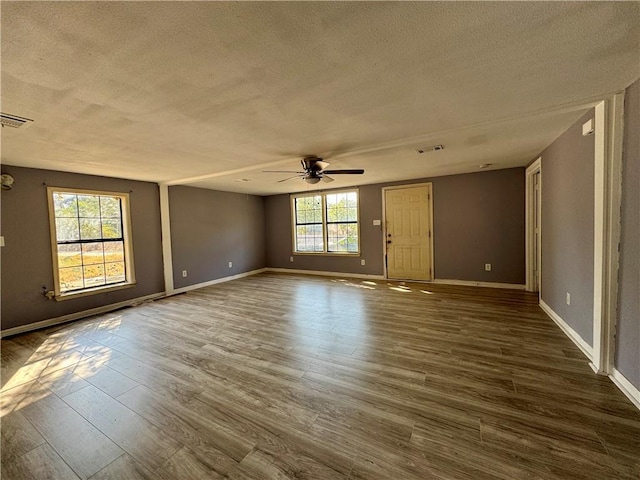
(627, 358)
(567, 227)
(26, 258)
(478, 219)
(209, 229)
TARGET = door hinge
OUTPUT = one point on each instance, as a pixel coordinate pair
(429, 233)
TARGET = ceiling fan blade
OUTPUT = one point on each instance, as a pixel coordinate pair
(322, 165)
(344, 172)
(327, 179)
(285, 179)
(279, 171)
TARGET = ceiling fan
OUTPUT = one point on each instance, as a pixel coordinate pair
(315, 170)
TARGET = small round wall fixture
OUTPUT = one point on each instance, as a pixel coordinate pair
(6, 181)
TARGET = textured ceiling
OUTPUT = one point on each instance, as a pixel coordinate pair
(209, 93)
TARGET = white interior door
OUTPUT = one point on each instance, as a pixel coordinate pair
(408, 232)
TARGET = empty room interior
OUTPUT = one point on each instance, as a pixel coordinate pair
(320, 240)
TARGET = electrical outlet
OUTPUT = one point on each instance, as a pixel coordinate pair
(363, 262)
(230, 264)
(487, 267)
(291, 259)
(184, 273)
(568, 298)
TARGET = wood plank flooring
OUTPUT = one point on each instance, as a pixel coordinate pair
(291, 377)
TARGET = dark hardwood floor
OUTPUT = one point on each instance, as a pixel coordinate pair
(290, 377)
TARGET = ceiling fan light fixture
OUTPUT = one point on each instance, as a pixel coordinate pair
(314, 170)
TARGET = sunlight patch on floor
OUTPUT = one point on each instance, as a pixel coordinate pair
(400, 289)
(55, 359)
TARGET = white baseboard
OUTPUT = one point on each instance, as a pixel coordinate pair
(471, 283)
(514, 286)
(78, 315)
(216, 281)
(569, 332)
(630, 390)
(326, 274)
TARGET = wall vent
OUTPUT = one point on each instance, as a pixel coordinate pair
(8, 120)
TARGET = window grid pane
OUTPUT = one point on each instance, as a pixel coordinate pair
(342, 237)
(308, 210)
(309, 238)
(70, 278)
(65, 205)
(67, 229)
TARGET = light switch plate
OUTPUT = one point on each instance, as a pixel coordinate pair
(376, 222)
(2, 241)
(587, 128)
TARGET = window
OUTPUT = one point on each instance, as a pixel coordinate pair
(90, 241)
(326, 223)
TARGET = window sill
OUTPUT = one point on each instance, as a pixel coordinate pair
(94, 291)
(328, 254)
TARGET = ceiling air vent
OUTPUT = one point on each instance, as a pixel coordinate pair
(433, 148)
(7, 120)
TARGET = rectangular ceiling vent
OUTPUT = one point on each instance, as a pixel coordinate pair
(7, 120)
(433, 148)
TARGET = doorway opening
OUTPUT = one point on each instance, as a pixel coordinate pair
(534, 225)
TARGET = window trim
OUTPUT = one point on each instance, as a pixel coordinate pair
(325, 230)
(130, 279)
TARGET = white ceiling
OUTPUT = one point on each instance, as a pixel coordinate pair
(208, 93)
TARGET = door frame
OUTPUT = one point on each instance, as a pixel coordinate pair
(429, 186)
(608, 131)
(530, 224)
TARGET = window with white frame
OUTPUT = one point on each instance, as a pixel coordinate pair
(91, 241)
(326, 222)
